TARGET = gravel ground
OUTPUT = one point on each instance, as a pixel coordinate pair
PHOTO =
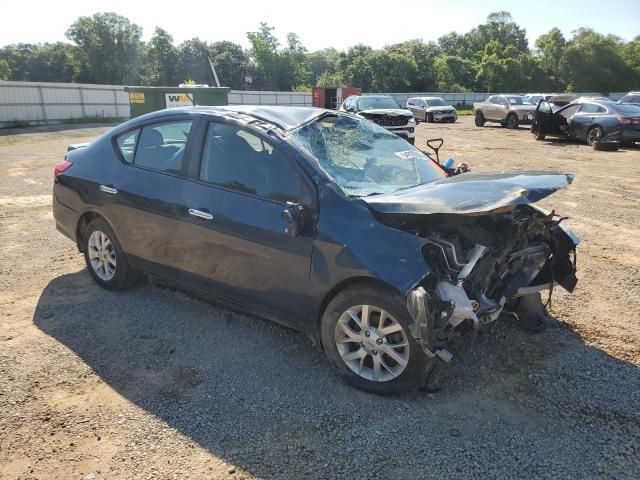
(151, 383)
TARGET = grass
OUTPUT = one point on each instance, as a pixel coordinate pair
(464, 111)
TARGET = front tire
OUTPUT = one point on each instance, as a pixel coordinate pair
(412, 141)
(106, 262)
(512, 121)
(480, 121)
(365, 334)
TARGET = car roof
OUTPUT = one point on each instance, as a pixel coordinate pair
(283, 117)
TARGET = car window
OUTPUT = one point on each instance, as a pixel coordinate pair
(162, 146)
(363, 158)
(493, 100)
(127, 144)
(569, 111)
(239, 160)
(544, 107)
(591, 108)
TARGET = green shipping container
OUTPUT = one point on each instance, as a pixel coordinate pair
(149, 99)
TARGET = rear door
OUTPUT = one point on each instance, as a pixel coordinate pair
(240, 246)
(588, 115)
(146, 203)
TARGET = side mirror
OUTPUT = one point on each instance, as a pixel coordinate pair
(293, 216)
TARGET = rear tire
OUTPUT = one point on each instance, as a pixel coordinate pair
(378, 362)
(106, 262)
(595, 134)
(606, 146)
(538, 135)
(512, 121)
(479, 120)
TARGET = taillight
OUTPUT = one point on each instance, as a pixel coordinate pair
(629, 121)
(61, 167)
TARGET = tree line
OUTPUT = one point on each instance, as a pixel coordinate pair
(107, 48)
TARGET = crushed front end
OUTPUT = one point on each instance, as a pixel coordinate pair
(483, 264)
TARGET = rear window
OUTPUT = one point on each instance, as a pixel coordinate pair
(628, 109)
(127, 144)
(159, 146)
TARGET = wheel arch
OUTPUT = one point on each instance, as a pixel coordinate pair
(591, 127)
(342, 286)
(85, 219)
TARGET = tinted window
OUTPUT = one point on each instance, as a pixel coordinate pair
(161, 146)
(629, 109)
(592, 108)
(127, 144)
(239, 160)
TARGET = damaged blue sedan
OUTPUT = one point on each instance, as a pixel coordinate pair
(322, 221)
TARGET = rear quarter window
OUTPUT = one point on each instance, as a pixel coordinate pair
(127, 144)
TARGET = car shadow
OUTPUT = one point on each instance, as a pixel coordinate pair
(262, 397)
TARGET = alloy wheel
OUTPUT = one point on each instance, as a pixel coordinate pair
(372, 343)
(594, 135)
(102, 255)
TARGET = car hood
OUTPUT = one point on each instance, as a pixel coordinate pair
(523, 108)
(471, 193)
(440, 109)
(393, 112)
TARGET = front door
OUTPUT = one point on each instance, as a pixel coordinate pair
(242, 249)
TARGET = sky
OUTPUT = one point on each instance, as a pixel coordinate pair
(319, 24)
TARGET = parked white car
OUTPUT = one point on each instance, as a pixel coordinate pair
(432, 109)
(385, 111)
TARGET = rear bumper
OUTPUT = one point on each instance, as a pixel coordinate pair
(66, 218)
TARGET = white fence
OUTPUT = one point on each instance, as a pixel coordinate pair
(49, 103)
(44, 103)
(298, 99)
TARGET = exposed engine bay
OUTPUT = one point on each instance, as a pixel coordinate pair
(482, 264)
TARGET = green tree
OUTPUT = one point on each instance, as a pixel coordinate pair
(595, 62)
(321, 62)
(108, 48)
(355, 67)
(231, 63)
(160, 60)
(454, 73)
(264, 53)
(193, 62)
(5, 71)
(551, 48)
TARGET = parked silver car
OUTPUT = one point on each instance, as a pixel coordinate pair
(508, 110)
(432, 109)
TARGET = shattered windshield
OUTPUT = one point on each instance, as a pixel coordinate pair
(370, 103)
(362, 157)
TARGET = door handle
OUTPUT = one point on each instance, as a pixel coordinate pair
(200, 214)
(109, 190)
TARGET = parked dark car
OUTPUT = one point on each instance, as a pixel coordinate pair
(385, 111)
(320, 220)
(631, 97)
(596, 122)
